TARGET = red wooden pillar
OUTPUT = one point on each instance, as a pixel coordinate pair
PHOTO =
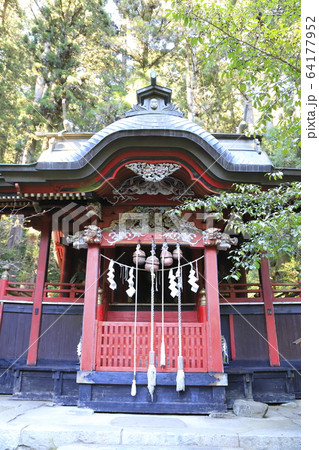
(90, 307)
(269, 313)
(215, 359)
(4, 281)
(38, 290)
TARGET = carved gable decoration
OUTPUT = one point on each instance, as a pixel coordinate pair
(173, 188)
(153, 172)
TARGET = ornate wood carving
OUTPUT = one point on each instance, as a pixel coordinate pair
(168, 186)
(223, 241)
(141, 221)
(91, 234)
(153, 172)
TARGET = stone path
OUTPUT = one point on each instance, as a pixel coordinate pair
(40, 425)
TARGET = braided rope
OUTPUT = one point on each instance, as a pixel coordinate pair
(163, 357)
(159, 270)
(179, 301)
(152, 296)
(133, 389)
(151, 372)
(180, 377)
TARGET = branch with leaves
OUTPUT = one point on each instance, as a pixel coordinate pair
(269, 221)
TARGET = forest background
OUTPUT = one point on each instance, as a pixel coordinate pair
(232, 64)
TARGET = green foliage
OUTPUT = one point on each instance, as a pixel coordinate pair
(283, 149)
(260, 44)
(14, 65)
(51, 51)
(269, 220)
(146, 39)
(23, 254)
(69, 43)
(214, 55)
(19, 246)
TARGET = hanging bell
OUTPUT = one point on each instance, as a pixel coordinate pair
(166, 258)
(176, 251)
(139, 257)
(152, 261)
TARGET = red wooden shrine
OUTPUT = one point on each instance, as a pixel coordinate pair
(96, 197)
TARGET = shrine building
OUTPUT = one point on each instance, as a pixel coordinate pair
(142, 319)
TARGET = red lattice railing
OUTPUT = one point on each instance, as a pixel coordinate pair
(235, 293)
(69, 293)
(286, 292)
(115, 350)
(52, 293)
(63, 292)
(19, 291)
(251, 292)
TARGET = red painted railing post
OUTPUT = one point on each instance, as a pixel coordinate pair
(232, 293)
(267, 294)
(215, 359)
(90, 307)
(72, 291)
(39, 290)
(4, 281)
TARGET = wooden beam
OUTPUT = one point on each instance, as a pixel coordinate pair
(232, 337)
(215, 359)
(90, 307)
(271, 331)
(38, 290)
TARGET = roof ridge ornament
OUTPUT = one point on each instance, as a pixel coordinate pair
(154, 99)
(153, 75)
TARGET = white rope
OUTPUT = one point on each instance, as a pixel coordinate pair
(180, 377)
(159, 270)
(163, 356)
(133, 388)
(151, 372)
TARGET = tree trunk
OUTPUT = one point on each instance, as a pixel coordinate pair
(191, 82)
(16, 231)
(4, 10)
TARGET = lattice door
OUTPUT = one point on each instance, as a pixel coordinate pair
(115, 344)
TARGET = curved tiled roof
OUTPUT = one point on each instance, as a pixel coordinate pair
(237, 154)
